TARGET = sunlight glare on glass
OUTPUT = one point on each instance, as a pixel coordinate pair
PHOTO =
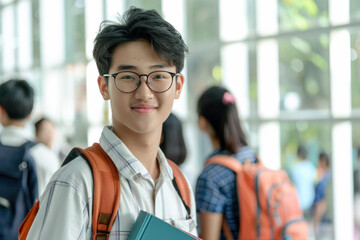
(292, 101)
(267, 17)
(233, 20)
(235, 74)
(340, 73)
(268, 79)
(339, 12)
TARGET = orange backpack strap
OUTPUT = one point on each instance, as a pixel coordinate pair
(106, 197)
(226, 161)
(181, 186)
(234, 165)
(26, 224)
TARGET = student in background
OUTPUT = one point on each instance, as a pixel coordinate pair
(172, 140)
(173, 145)
(45, 132)
(216, 194)
(321, 221)
(16, 105)
(18, 180)
(139, 59)
(357, 196)
(303, 175)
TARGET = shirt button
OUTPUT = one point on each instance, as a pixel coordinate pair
(137, 178)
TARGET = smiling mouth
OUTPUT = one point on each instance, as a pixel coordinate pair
(143, 109)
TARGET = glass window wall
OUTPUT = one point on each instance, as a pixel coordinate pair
(292, 65)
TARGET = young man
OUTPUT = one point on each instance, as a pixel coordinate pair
(139, 61)
(16, 104)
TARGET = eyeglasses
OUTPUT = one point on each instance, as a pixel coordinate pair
(128, 82)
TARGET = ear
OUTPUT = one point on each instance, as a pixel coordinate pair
(179, 85)
(3, 116)
(103, 87)
(3, 112)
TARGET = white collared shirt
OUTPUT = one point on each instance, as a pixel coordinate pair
(66, 206)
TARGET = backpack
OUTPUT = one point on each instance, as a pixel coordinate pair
(106, 191)
(18, 187)
(268, 202)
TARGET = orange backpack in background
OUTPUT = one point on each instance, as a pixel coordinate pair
(106, 183)
(268, 202)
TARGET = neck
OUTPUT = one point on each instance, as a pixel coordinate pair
(144, 147)
(16, 123)
(215, 143)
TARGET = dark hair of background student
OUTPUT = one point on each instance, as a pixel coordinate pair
(325, 157)
(302, 152)
(17, 98)
(172, 141)
(224, 119)
(38, 124)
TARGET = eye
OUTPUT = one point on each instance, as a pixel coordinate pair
(158, 76)
(126, 77)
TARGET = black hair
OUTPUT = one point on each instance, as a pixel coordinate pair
(139, 24)
(172, 143)
(16, 98)
(223, 117)
(39, 122)
(325, 157)
(302, 152)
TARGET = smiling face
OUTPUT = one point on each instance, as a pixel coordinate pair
(142, 111)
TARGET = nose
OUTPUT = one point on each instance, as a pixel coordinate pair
(143, 92)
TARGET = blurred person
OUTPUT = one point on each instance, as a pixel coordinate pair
(173, 145)
(322, 222)
(356, 177)
(303, 175)
(139, 59)
(216, 190)
(18, 180)
(15, 134)
(172, 140)
(45, 132)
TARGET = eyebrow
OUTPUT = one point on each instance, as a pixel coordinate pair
(131, 67)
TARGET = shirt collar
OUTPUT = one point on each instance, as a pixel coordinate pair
(14, 136)
(127, 164)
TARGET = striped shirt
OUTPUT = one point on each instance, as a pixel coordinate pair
(66, 206)
(216, 190)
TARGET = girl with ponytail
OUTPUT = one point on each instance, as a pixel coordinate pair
(216, 195)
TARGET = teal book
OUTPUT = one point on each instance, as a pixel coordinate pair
(149, 227)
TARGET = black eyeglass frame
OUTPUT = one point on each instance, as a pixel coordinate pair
(139, 80)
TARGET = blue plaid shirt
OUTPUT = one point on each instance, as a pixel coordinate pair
(216, 190)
